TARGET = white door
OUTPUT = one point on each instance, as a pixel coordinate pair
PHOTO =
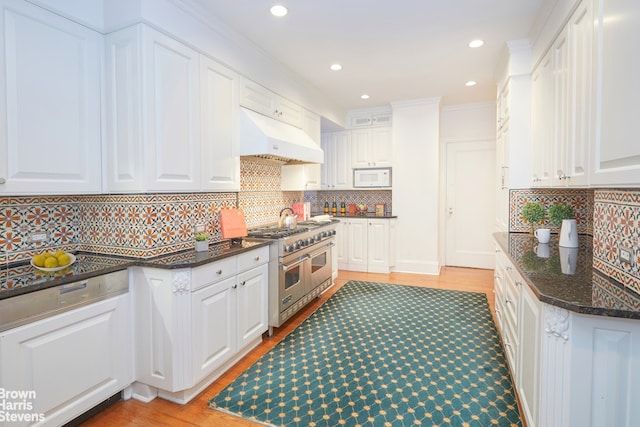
(470, 203)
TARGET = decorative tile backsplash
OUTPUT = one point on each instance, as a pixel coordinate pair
(136, 225)
(616, 224)
(364, 197)
(580, 199)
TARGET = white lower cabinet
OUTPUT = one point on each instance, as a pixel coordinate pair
(71, 362)
(192, 324)
(570, 369)
(366, 244)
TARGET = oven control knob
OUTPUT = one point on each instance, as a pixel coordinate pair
(324, 234)
(333, 232)
(288, 248)
(318, 237)
(310, 241)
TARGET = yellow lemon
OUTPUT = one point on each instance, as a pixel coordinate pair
(58, 253)
(38, 260)
(63, 259)
(51, 262)
(47, 254)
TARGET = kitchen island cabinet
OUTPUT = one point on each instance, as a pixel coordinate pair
(50, 102)
(577, 359)
(192, 324)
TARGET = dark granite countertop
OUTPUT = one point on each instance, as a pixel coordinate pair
(585, 291)
(23, 278)
(369, 215)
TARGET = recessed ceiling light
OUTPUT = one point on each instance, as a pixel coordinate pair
(364, 96)
(336, 67)
(470, 83)
(476, 43)
(279, 10)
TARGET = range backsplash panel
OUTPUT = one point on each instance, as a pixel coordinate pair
(616, 224)
(580, 199)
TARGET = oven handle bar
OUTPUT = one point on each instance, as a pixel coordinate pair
(319, 251)
(299, 261)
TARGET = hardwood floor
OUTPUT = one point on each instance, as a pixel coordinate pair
(160, 412)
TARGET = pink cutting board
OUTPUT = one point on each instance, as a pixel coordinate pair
(232, 223)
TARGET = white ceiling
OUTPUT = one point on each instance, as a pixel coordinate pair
(392, 50)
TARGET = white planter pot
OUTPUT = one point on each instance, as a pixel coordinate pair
(202, 246)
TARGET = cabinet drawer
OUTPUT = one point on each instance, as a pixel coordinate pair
(254, 258)
(510, 341)
(214, 272)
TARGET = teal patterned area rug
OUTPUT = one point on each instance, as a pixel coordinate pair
(377, 354)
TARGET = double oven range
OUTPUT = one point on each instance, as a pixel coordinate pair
(300, 266)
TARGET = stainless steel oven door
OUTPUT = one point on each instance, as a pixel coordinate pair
(292, 280)
(320, 265)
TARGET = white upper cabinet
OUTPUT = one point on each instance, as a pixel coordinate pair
(542, 116)
(220, 144)
(371, 148)
(616, 128)
(171, 116)
(336, 169)
(260, 99)
(50, 133)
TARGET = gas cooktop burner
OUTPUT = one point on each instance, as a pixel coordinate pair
(275, 232)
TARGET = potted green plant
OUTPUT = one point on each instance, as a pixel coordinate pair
(561, 214)
(202, 241)
(534, 213)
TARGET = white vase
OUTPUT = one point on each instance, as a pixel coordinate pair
(202, 246)
(569, 234)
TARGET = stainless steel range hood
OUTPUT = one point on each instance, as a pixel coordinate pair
(267, 138)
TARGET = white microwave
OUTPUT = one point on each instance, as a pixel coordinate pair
(372, 178)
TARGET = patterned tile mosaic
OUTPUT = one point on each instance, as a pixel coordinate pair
(580, 199)
(616, 224)
(136, 225)
(364, 197)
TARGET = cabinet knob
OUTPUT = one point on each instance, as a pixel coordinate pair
(234, 286)
(257, 258)
(219, 272)
(244, 282)
(2, 180)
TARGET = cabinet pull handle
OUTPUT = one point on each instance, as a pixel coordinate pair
(257, 258)
(219, 272)
(235, 285)
(244, 282)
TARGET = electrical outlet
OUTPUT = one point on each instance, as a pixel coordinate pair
(626, 255)
(39, 237)
(199, 228)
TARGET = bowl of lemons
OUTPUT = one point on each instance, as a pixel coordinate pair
(57, 261)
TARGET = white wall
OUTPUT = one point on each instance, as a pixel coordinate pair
(416, 129)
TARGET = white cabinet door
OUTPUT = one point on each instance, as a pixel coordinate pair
(171, 108)
(342, 239)
(542, 122)
(214, 324)
(616, 129)
(580, 94)
(71, 361)
(502, 179)
(378, 246)
(260, 99)
(252, 304)
(371, 148)
(336, 169)
(220, 143)
(152, 113)
(529, 376)
(50, 103)
(561, 108)
(357, 245)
